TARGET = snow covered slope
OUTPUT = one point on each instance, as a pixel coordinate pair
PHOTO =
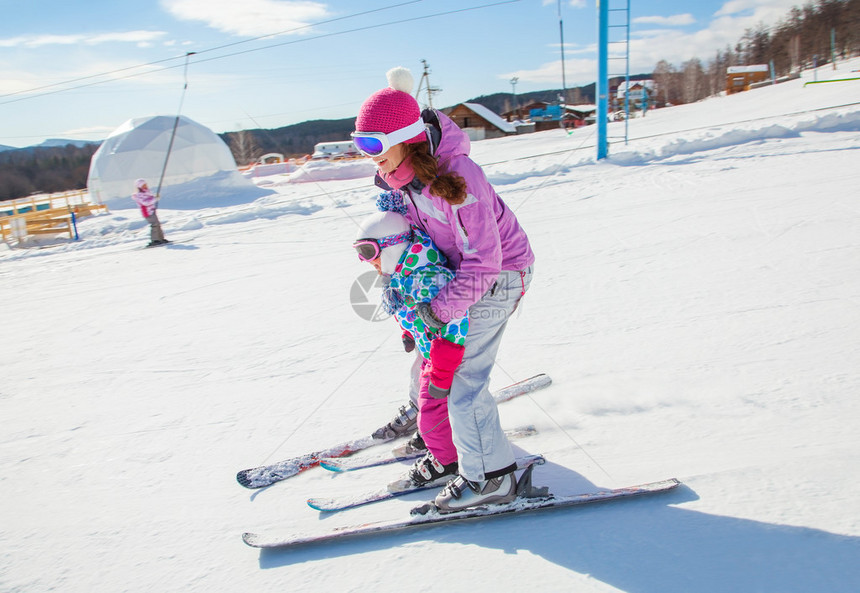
(696, 301)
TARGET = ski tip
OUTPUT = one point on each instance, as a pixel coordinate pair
(332, 465)
(251, 481)
(323, 505)
(540, 379)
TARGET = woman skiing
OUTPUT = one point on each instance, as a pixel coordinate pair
(447, 196)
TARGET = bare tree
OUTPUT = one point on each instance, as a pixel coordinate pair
(694, 81)
(665, 78)
(716, 73)
(244, 147)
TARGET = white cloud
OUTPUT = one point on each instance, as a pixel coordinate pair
(736, 6)
(767, 11)
(21, 80)
(74, 39)
(573, 48)
(676, 20)
(249, 18)
(725, 29)
(641, 33)
(127, 37)
(571, 3)
(649, 46)
(88, 132)
(576, 72)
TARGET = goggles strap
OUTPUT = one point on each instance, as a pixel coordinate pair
(382, 243)
(394, 239)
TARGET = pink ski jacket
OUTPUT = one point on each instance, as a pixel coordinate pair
(147, 202)
(480, 237)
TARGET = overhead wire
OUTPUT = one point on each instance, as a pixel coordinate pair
(202, 51)
(247, 51)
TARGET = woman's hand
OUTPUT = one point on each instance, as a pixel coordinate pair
(425, 312)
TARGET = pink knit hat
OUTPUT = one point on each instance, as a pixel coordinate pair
(392, 108)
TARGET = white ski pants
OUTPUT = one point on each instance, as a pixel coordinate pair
(482, 447)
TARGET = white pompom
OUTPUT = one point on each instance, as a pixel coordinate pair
(400, 79)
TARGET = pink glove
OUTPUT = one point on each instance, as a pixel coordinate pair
(445, 357)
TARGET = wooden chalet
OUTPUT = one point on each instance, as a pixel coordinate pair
(739, 78)
(479, 122)
(522, 111)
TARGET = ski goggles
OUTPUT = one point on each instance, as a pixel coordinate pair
(377, 143)
(370, 249)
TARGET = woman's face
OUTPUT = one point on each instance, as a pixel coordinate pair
(388, 161)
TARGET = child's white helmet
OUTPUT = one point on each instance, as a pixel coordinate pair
(382, 225)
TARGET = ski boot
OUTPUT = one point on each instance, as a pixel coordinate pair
(461, 493)
(404, 423)
(425, 472)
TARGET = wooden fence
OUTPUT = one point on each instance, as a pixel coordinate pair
(45, 214)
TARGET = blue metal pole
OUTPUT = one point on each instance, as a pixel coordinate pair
(627, 78)
(602, 77)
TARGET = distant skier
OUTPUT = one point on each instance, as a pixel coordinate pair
(148, 205)
(415, 272)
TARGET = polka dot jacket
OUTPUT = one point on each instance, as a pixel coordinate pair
(419, 276)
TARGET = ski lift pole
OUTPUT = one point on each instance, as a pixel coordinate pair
(175, 125)
(602, 86)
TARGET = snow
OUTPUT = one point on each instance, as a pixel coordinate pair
(696, 301)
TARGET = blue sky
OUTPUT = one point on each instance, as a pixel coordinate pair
(79, 69)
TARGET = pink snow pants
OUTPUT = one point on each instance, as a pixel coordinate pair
(433, 423)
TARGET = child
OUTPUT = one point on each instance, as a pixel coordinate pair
(148, 204)
(415, 273)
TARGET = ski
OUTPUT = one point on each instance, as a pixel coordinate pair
(167, 244)
(349, 502)
(266, 475)
(432, 517)
(402, 453)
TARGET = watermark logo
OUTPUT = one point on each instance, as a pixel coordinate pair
(365, 296)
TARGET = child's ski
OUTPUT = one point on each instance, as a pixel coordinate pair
(349, 502)
(266, 475)
(402, 453)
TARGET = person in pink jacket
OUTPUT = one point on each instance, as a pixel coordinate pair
(447, 196)
(148, 205)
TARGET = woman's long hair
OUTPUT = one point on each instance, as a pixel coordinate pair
(448, 186)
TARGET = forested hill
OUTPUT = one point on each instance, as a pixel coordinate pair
(59, 168)
(299, 139)
(52, 169)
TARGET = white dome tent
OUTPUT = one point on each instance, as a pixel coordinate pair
(200, 172)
